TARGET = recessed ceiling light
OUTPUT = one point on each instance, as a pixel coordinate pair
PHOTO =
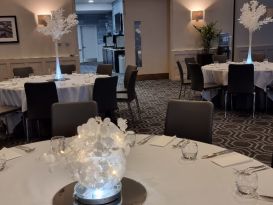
(90, 1)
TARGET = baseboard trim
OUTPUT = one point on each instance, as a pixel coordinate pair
(157, 76)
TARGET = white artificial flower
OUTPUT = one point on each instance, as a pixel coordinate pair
(58, 25)
(122, 123)
(251, 16)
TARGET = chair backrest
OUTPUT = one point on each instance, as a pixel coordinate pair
(40, 97)
(127, 74)
(66, 117)
(68, 69)
(190, 119)
(219, 58)
(204, 59)
(187, 61)
(180, 69)
(197, 80)
(22, 72)
(104, 93)
(258, 57)
(131, 92)
(105, 69)
(241, 78)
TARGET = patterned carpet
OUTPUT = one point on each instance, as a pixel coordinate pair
(239, 132)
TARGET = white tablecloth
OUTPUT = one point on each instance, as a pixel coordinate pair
(218, 73)
(78, 88)
(167, 178)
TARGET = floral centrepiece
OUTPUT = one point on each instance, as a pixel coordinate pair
(97, 157)
(252, 18)
(56, 27)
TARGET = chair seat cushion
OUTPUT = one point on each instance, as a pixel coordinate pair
(211, 86)
(8, 109)
(122, 97)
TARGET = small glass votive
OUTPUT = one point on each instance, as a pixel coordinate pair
(266, 60)
(247, 183)
(3, 162)
(131, 138)
(189, 150)
(58, 145)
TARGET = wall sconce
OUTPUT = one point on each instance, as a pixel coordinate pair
(197, 15)
(42, 19)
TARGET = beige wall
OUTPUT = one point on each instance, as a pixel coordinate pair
(155, 34)
(33, 44)
(183, 35)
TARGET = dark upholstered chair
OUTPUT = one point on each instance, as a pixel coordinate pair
(130, 95)
(39, 97)
(258, 57)
(22, 72)
(187, 61)
(181, 74)
(105, 69)
(219, 58)
(104, 93)
(240, 81)
(204, 58)
(6, 110)
(190, 119)
(68, 69)
(197, 79)
(127, 74)
(66, 117)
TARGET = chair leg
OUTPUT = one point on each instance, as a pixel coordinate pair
(254, 102)
(226, 104)
(266, 96)
(185, 88)
(27, 129)
(181, 86)
(131, 112)
(138, 107)
(6, 121)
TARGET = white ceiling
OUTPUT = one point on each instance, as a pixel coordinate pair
(95, 1)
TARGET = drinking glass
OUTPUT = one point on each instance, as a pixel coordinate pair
(131, 138)
(247, 183)
(57, 145)
(3, 162)
(189, 150)
(266, 60)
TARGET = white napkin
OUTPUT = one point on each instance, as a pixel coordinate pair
(161, 141)
(230, 159)
(9, 153)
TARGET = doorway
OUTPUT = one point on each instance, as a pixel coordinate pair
(88, 43)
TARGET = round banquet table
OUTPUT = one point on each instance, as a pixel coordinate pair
(218, 73)
(77, 88)
(168, 179)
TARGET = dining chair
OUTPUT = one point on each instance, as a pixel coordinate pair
(181, 74)
(68, 69)
(127, 74)
(272, 161)
(197, 79)
(22, 72)
(104, 69)
(187, 61)
(189, 119)
(104, 93)
(219, 58)
(258, 57)
(130, 95)
(66, 117)
(5, 111)
(240, 81)
(39, 98)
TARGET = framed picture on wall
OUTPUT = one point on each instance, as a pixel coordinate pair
(8, 29)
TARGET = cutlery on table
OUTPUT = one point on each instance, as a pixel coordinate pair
(217, 154)
(178, 144)
(25, 148)
(265, 197)
(146, 139)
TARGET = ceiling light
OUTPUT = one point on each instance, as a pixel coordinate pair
(90, 1)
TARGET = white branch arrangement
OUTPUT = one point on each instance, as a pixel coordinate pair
(58, 25)
(251, 16)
